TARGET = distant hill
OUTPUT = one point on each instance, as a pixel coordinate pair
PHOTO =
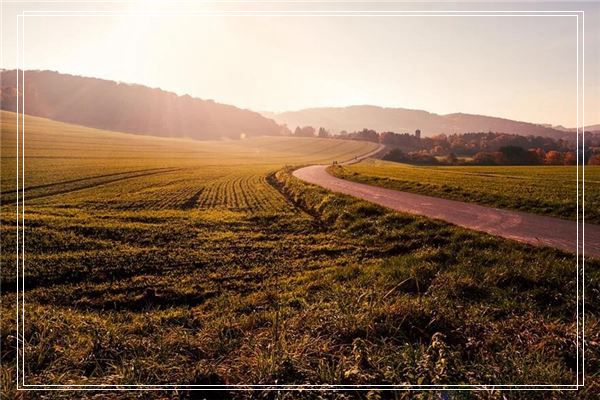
(590, 128)
(593, 128)
(404, 120)
(110, 105)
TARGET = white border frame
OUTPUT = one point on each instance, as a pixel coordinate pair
(337, 13)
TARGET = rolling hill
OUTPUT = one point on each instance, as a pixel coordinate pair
(115, 106)
(404, 120)
(110, 105)
(58, 152)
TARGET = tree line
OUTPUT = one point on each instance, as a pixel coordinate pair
(507, 155)
(477, 148)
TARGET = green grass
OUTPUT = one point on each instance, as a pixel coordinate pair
(225, 269)
(547, 190)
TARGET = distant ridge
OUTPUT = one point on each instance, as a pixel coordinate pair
(590, 128)
(354, 118)
(104, 104)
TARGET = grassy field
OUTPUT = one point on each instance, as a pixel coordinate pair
(155, 261)
(549, 190)
(71, 157)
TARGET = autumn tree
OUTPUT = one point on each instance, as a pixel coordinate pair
(570, 158)
(594, 160)
(553, 157)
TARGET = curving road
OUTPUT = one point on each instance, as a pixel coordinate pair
(520, 226)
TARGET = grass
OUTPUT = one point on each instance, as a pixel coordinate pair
(225, 269)
(60, 154)
(547, 190)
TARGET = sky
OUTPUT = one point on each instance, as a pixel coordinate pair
(522, 68)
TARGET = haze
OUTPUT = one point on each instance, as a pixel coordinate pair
(521, 68)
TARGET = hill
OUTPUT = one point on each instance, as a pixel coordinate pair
(593, 128)
(58, 153)
(404, 120)
(110, 105)
(588, 128)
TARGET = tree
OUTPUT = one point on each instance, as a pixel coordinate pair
(541, 154)
(425, 159)
(484, 158)
(570, 158)
(323, 133)
(306, 131)
(437, 150)
(554, 157)
(366, 134)
(499, 158)
(516, 155)
(395, 155)
(285, 131)
(535, 156)
(451, 158)
(594, 160)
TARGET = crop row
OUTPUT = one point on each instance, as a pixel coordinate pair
(171, 189)
(251, 193)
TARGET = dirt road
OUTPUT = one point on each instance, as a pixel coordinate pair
(524, 227)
